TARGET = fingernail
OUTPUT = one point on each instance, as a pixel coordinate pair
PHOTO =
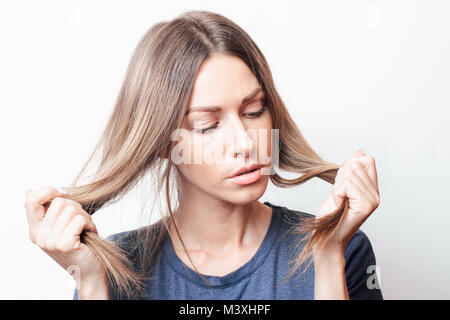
(61, 191)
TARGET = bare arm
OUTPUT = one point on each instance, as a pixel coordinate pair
(356, 181)
(96, 289)
(329, 280)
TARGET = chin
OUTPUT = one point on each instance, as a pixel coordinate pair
(248, 193)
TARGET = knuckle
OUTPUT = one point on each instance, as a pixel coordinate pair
(374, 203)
(81, 219)
(377, 199)
(58, 201)
(77, 204)
(70, 208)
(74, 214)
(374, 206)
(354, 165)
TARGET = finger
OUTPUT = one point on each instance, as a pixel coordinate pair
(35, 200)
(66, 212)
(56, 207)
(79, 209)
(358, 200)
(76, 227)
(40, 196)
(355, 168)
(366, 190)
(368, 163)
(64, 219)
(356, 214)
(339, 192)
(339, 174)
(334, 199)
(372, 171)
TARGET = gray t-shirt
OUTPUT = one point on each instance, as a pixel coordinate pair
(262, 277)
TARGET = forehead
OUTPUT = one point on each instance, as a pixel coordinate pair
(222, 80)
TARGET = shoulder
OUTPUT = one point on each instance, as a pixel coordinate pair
(361, 269)
(359, 254)
(360, 262)
(289, 218)
(124, 238)
(358, 246)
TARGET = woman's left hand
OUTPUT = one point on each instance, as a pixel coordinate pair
(356, 180)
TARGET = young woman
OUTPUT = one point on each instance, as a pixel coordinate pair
(199, 90)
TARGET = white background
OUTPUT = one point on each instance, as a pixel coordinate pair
(354, 74)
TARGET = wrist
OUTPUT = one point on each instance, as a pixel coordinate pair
(94, 287)
(329, 257)
(330, 279)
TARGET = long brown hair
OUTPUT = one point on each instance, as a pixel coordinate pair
(137, 138)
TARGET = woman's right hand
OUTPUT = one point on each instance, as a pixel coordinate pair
(56, 229)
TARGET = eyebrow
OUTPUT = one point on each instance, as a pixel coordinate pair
(217, 108)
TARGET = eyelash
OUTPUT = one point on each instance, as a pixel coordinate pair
(253, 115)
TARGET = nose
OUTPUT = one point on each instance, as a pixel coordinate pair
(240, 143)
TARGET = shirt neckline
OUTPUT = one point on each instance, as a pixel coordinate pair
(235, 276)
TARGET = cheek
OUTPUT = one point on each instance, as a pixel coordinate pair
(201, 176)
(195, 166)
(198, 150)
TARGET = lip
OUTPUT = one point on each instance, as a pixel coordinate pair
(247, 178)
(246, 168)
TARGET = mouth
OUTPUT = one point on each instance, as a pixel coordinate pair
(246, 170)
(247, 175)
(242, 173)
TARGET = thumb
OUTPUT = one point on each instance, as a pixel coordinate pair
(35, 201)
(333, 201)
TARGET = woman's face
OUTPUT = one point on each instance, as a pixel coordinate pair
(234, 132)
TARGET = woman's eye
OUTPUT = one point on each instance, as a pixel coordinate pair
(258, 113)
(204, 130)
(251, 115)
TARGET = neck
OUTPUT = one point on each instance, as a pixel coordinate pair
(217, 227)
